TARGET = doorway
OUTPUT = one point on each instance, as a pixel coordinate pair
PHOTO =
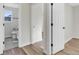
(36, 23)
(10, 27)
(41, 26)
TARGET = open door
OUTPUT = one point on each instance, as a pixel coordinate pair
(1, 29)
(47, 28)
(36, 22)
(58, 27)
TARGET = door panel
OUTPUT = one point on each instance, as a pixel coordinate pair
(58, 24)
(36, 22)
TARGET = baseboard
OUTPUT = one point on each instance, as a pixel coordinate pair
(35, 41)
(71, 39)
(68, 40)
(22, 45)
(76, 38)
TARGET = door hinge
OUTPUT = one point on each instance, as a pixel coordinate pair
(51, 3)
(3, 42)
(51, 24)
(51, 44)
(3, 6)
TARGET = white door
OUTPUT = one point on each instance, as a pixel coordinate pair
(36, 22)
(1, 29)
(58, 27)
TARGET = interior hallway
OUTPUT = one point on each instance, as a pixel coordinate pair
(71, 48)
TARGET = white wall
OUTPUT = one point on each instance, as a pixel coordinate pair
(68, 22)
(71, 22)
(24, 25)
(36, 22)
(76, 22)
(9, 25)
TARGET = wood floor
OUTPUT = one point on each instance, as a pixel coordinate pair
(14, 51)
(35, 49)
(71, 48)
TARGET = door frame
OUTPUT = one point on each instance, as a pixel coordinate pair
(47, 12)
(11, 6)
(47, 28)
(32, 24)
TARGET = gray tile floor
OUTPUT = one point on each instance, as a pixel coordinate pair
(10, 43)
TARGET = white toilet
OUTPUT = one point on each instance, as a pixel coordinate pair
(14, 33)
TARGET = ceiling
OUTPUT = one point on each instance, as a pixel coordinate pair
(74, 4)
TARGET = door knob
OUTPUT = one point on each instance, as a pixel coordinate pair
(64, 28)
